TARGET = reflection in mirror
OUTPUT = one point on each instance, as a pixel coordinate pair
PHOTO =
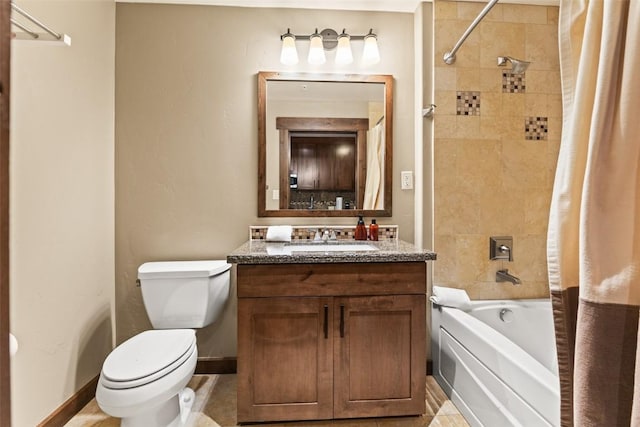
(318, 164)
(324, 145)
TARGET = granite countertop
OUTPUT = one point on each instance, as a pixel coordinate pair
(261, 252)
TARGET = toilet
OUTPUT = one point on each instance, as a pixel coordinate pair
(144, 380)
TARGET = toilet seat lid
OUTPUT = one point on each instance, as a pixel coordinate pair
(148, 356)
(182, 269)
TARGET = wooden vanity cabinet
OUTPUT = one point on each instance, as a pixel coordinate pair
(326, 164)
(322, 341)
(379, 359)
(285, 362)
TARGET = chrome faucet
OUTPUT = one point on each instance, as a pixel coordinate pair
(311, 202)
(326, 235)
(504, 276)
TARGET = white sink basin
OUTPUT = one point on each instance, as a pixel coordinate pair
(320, 247)
(355, 247)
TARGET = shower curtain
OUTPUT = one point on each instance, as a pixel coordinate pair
(593, 244)
(374, 184)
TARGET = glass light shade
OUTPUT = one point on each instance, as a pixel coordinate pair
(316, 50)
(370, 54)
(289, 54)
(343, 54)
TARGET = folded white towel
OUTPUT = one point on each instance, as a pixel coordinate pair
(279, 233)
(451, 297)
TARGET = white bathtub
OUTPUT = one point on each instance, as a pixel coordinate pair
(497, 362)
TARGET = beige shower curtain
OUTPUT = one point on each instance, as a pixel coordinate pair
(594, 227)
(374, 184)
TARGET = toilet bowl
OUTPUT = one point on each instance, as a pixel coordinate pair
(143, 381)
(145, 373)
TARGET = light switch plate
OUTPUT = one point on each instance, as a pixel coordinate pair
(406, 179)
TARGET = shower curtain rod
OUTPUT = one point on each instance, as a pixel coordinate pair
(450, 57)
(28, 34)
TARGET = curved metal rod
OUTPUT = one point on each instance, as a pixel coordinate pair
(25, 29)
(450, 57)
(34, 20)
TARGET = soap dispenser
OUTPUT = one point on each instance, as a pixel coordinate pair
(373, 230)
(361, 230)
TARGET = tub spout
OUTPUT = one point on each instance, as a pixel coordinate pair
(504, 276)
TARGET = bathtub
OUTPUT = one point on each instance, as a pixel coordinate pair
(497, 362)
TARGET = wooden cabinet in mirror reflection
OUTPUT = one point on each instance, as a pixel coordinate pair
(324, 162)
(327, 155)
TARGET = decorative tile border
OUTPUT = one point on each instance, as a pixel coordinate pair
(308, 232)
(536, 128)
(513, 83)
(468, 103)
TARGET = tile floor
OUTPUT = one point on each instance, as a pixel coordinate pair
(215, 406)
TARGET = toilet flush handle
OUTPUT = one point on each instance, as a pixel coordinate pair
(137, 283)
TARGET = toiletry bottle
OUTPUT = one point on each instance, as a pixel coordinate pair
(361, 230)
(373, 230)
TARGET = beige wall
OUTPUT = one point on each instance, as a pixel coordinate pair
(62, 205)
(186, 133)
(490, 180)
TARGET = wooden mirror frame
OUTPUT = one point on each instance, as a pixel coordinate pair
(263, 78)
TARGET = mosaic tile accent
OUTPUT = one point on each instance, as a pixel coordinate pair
(468, 103)
(536, 128)
(308, 232)
(513, 83)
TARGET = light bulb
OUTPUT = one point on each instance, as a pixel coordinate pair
(370, 54)
(316, 50)
(343, 54)
(289, 54)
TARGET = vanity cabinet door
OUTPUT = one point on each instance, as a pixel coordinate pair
(344, 167)
(285, 366)
(379, 356)
(304, 163)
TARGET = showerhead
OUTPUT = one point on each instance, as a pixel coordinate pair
(517, 66)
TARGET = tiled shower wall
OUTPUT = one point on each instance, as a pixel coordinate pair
(497, 136)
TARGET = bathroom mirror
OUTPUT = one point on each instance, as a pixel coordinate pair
(324, 144)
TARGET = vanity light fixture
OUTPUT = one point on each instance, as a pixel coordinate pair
(316, 50)
(343, 54)
(289, 54)
(370, 54)
(329, 39)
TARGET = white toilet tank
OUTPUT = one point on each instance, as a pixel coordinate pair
(184, 294)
